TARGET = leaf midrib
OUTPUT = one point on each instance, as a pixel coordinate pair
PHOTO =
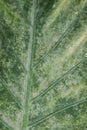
(27, 82)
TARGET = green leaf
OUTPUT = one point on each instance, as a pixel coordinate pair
(43, 65)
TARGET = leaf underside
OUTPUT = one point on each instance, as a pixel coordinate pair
(43, 65)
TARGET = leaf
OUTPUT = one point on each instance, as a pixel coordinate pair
(43, 65)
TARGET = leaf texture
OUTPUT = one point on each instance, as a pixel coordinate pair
(43, 65)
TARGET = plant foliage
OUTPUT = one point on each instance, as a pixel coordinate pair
(43, 64)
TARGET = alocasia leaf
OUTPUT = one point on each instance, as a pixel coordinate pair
(43, 65)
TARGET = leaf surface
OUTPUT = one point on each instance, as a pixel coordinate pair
(43, 65)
